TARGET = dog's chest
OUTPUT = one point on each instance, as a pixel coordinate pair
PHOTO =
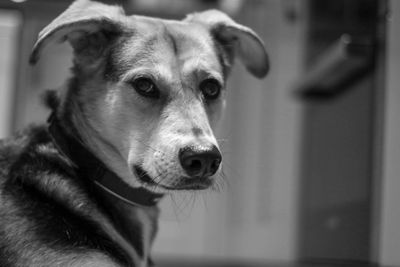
(136, 225)
(137, 244)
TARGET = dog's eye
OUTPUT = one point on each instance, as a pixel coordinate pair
(210, 88)
(146, 87)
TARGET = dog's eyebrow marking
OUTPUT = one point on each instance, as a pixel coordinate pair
(223, 57)
(170, 38)
(158, 73)
(204, 69)
(120, 61)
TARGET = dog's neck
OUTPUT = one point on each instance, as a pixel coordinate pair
(89, 167)
(136, 223)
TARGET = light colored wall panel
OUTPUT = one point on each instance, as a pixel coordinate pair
(9, 33)
(390, 227)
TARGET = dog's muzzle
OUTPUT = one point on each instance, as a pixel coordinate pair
(198, 163)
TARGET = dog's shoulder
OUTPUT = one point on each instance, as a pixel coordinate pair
(45, 209)
(28, 155)
(11, 148)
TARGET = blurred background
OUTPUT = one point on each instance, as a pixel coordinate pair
(311, 153)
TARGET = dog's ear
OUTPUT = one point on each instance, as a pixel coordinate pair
(235, 39)
(85, 24)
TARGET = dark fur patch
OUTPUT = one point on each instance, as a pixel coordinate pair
(36, 184)
(225, 50)
(112, 70)
(50, 99)
(116, 64)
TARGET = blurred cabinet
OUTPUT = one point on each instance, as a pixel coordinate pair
(339, 197)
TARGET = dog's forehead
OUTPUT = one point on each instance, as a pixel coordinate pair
(185, 35)
(157, 42)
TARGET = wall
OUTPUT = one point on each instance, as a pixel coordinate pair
(9, 29)
(255, 215)
(390, 225)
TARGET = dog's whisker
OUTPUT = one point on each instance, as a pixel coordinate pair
(186, 201)
(175, 206)
(216, 187)
(204, 200)
(157, 184)
(220, 182)
(193, 199)
(149, 146)
(224, 177)
(184, 205)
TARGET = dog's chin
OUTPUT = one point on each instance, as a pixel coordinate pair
(183, 183)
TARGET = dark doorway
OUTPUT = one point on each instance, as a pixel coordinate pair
(337, 197)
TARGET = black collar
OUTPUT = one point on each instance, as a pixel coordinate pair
(91, 167)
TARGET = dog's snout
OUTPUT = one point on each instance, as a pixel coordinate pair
(200, 161)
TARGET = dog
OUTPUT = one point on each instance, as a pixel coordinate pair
(134, 122)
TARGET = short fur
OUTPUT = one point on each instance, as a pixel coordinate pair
(51, 215)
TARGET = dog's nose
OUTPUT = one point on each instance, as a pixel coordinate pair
(200, 161)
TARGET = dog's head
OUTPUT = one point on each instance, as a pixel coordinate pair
(151, 91)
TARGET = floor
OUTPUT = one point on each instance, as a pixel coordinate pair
(209, 263)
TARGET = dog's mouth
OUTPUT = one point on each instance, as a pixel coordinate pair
(183, 183)
(143, 176)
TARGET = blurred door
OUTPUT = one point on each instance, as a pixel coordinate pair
(337, 194)
(390, 232)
